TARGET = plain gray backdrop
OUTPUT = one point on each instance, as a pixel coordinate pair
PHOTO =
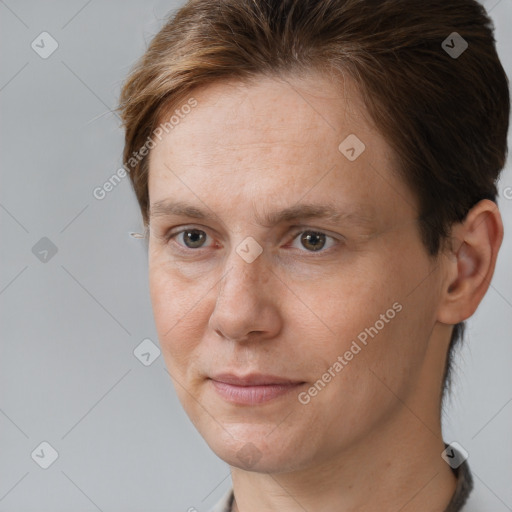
(71, 319)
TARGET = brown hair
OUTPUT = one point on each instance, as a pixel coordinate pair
(446, 116)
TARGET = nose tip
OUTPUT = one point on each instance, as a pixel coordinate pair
(244, 306)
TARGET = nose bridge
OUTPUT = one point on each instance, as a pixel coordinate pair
(247, 268)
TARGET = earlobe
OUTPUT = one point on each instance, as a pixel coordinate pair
(471, 262)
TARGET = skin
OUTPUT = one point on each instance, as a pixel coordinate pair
(371, 438)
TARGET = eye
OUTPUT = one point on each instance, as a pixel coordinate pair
(190, 238)
(311, 240)
(314, 241)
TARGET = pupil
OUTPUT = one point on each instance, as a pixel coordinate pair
(315, 237)
(195, 236)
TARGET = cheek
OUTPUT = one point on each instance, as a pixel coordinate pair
(362, 362)
(371, 319)
(177, 309)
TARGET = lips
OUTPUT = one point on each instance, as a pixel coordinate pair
(253, 379)
(252, 389)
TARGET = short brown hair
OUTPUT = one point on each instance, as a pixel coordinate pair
(445, 116)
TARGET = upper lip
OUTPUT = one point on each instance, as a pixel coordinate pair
(253, 379)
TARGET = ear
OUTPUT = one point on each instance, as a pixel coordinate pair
(470, 262)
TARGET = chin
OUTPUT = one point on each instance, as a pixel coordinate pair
(251, 448)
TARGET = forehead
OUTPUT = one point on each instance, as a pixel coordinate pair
(275, 134)
(271, 111)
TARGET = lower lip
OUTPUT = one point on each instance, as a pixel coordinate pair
(251, 395)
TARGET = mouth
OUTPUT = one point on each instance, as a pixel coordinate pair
(252, 389)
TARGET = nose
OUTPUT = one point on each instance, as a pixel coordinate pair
(247, 303)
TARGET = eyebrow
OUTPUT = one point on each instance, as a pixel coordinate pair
(358, 214)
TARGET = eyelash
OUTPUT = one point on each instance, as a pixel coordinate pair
(170, 236)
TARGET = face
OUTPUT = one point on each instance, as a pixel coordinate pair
(286, 256)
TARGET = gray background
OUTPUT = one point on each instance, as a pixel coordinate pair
(70, 325)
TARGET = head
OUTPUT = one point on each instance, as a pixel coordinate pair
(318, 180)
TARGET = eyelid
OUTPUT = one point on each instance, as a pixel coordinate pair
(301, 229)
